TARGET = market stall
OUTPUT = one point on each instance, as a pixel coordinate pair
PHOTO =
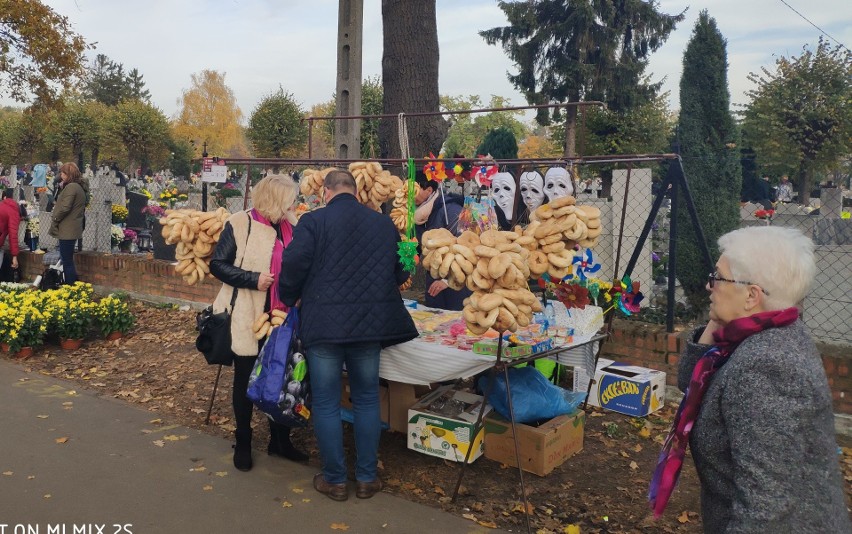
(439, 356)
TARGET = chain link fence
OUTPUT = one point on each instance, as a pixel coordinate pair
(624, 213)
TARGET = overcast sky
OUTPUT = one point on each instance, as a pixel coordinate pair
(260, 44)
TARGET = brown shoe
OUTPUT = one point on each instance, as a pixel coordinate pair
(336, 492)
(365, 490)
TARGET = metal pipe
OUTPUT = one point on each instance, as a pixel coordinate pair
(459, 112)
(587, 160)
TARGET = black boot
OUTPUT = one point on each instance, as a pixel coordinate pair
(280, 444)
(242, 450)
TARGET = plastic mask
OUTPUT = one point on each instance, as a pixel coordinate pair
(557, 183)
(532, 189)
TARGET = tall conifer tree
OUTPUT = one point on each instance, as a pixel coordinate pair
(708, 137)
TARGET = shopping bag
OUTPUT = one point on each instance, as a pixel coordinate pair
(533, 397)
(279, 385)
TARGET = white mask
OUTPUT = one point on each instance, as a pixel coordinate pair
(532, 189)
(557, 183)
(503, 186)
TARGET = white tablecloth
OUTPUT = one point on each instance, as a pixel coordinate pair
(421, 362)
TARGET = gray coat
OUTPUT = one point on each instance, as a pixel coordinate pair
(763, 443)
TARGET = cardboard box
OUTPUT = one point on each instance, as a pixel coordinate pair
(441, 424)
(622, 388)
(541, 448)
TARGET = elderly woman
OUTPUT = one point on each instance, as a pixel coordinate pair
(247, 259)
(757, 408)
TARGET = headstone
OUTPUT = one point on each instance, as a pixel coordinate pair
(831, 202)
(638, 209)
(135, 203)
(45, 240)
(97, 234)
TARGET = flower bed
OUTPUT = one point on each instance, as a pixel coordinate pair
(28, 315)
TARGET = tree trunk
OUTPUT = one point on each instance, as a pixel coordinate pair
(571, 132)
(95, 153)
(805, 185)
(410, 77)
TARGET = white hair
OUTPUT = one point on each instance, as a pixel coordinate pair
(778, 259)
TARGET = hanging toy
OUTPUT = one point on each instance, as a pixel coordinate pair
(435, 170)
(407, 248)
(484, 173)
(585, 267)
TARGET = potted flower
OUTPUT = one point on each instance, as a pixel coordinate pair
(153, 213)
(33, 229)
(27, 330)
(130, 239)
(116, 235)
(73, 318)
(113, 316)
(119, 214)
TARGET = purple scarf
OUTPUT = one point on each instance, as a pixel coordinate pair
(727, 340)
(275, 302)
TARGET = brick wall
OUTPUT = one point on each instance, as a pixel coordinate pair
(632, 342)
(650, 346)
(131, 273)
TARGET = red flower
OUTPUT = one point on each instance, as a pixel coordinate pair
(572, 295)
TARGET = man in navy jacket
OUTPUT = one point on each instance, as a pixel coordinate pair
(343, 265)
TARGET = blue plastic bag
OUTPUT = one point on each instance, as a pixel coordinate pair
(279, 385)
(534, 398)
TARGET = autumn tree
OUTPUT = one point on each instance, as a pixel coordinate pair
(708, 137)
(39, 51)
(799, 120)
(538, 146)
(572, 50)
(467, 131)
(142, 130)
(275, 127)
(209, 112)
(410, 76)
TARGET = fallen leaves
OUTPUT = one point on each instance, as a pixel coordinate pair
(339, 526)
(8, 473)
(42, 416)
(61, 440)
(207, 487)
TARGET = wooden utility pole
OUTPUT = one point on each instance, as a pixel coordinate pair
(350, 28)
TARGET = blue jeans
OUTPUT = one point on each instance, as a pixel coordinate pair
(66, 253)
(325, 364)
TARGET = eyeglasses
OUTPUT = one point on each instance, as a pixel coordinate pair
(714, 277)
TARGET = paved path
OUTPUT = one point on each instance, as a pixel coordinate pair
(110, 475)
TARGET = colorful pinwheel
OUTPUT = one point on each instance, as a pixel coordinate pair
(585, 267)
(572, 295)
(484, 172)
(435, 170)
(629, 301)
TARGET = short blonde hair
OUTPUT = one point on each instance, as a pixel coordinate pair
(778, 259)
(274, 197)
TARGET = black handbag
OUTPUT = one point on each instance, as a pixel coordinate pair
(214, 329)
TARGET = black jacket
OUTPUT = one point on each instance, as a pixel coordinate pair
(222, 263)
(343, 264)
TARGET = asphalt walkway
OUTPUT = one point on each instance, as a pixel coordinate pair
(71, 461)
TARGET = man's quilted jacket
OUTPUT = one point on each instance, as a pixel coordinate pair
(343, 264)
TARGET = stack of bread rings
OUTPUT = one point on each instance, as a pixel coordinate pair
(493, 266)
(579, 225)
(375, 186)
